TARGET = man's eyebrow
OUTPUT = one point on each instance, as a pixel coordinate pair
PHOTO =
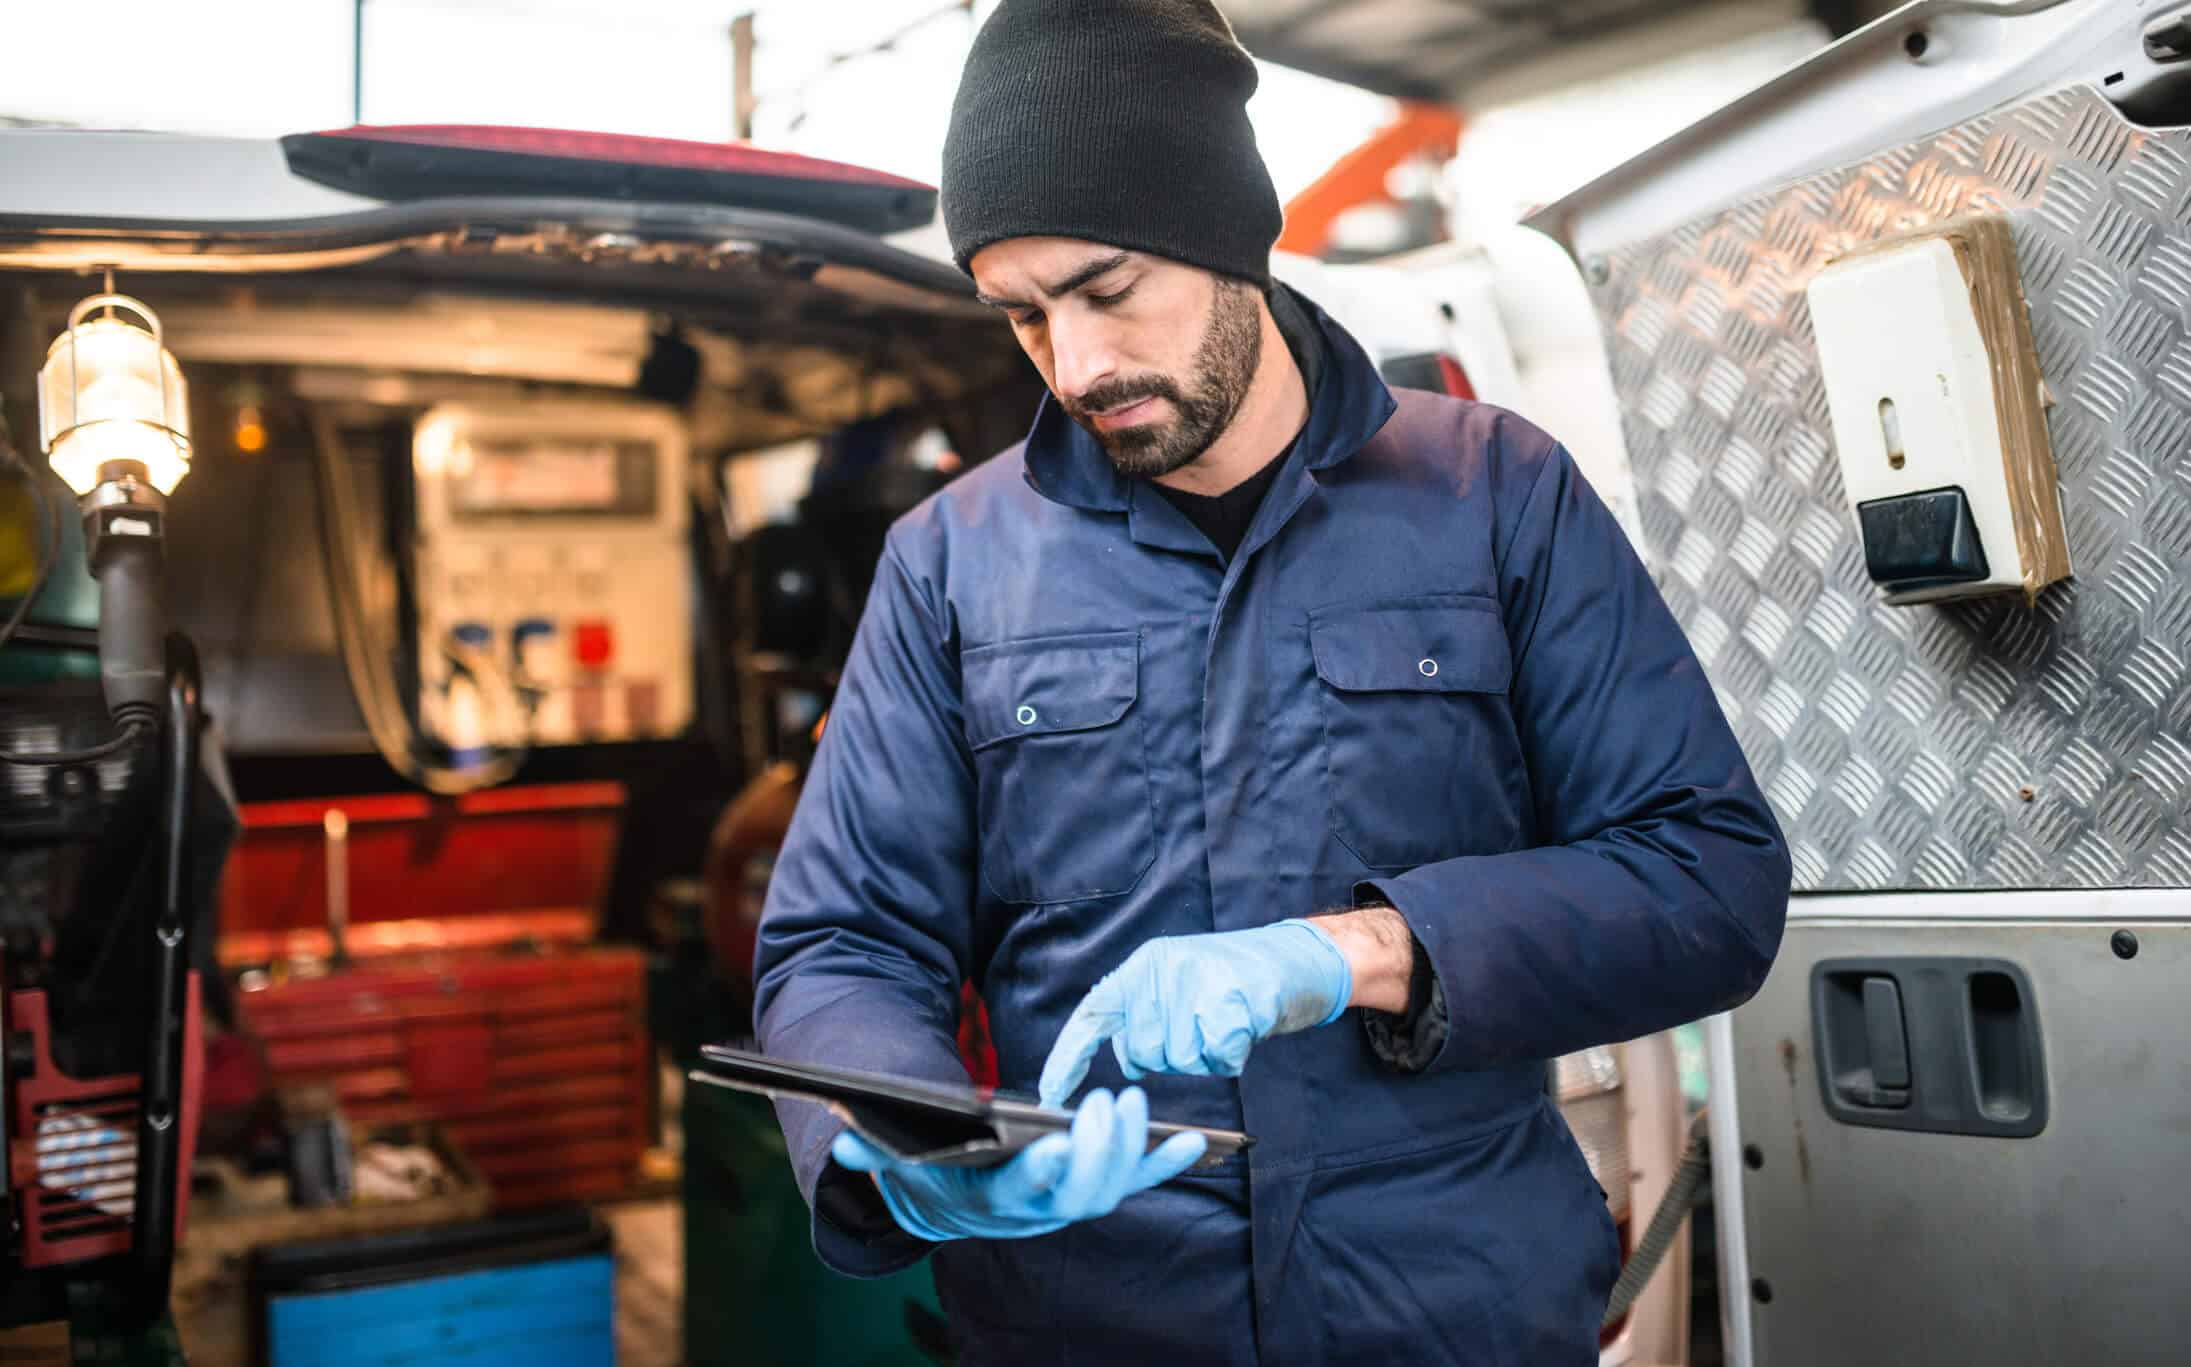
(1100, 266)
(1088, 271)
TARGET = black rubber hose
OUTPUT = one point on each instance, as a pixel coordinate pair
(160, 1102)
(1673, 1208)
(132, 629)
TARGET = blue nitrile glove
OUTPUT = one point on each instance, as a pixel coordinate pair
(1198, 1003)
(1044, 1187)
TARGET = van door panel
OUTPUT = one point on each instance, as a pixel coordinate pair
(1872, 1244)
(1991, 1167)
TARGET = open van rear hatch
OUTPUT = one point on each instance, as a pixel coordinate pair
(509, 201)
(762, 247)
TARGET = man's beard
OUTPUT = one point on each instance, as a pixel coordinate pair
(1224, 366)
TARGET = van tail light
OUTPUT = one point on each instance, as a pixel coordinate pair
(1432, 370)
(1453, 379)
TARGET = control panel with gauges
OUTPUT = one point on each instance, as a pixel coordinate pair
(552, 574)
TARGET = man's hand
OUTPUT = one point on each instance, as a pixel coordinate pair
(1046, 1186)
(1198, 1003)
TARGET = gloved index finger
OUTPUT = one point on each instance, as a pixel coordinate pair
(1100, 1015)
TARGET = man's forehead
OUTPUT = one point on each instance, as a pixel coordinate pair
(1043, 264)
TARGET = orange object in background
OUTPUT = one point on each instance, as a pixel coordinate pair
(472, 993)
(1359, 177)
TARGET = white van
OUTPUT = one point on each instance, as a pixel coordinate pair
(1953, 1125)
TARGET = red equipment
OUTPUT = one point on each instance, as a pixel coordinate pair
(470, 992)
(72, 1142)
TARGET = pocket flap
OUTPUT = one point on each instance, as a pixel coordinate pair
(1041, 687)
(1453, 645)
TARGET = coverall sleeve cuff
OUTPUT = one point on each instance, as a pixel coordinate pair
(853, 1231)
(1412, 1041)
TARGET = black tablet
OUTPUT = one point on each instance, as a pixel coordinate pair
(921, 1121)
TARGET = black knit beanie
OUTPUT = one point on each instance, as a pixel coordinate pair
(1118, 121)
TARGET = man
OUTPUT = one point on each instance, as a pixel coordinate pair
(1316, 755)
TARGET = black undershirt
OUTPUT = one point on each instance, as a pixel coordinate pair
(1225, 518)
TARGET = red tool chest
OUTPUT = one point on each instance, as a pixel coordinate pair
(471, 994)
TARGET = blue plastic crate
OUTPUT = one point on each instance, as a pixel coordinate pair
(531, 1292)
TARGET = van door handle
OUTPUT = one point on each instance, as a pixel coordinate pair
(1864, 1041)
(1887, 1041)
(1945, 1045)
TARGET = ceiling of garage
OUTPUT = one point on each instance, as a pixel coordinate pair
(1451, 51)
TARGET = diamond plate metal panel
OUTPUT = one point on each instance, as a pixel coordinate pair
(1971, 744)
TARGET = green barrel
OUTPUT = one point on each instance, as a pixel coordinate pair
(754, 1291)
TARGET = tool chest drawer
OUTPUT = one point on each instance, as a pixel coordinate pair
(537, 1065)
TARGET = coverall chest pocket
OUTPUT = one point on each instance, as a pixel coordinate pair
(1066, 805)
(1419, 743)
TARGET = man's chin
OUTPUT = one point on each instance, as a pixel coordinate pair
(1141, 455)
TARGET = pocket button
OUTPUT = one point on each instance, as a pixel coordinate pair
(1026, 715)
(1429, 668)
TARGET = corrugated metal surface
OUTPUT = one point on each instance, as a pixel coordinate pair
(1982, 744)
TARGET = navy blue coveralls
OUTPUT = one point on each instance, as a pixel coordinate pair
(1434, 675)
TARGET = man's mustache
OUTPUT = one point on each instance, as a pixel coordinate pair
(1116, 394)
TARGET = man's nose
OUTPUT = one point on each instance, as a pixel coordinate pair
(1082, 357)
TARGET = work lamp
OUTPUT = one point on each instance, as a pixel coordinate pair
(111, 397)
(114, 421)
